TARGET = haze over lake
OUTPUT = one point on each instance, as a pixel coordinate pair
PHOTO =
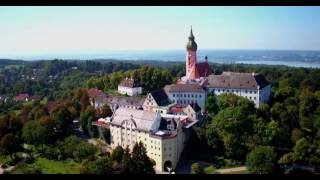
(271, 57)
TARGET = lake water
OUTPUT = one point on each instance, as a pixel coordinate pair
(270, 57)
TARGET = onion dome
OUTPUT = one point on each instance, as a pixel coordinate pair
(192, 45)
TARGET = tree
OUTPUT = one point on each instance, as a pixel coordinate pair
(301, 151)
(210, 170)
(74, 147)
(92, 130)
(86, 118)
(105, 111)
(34, 133)
(286, 159)
(230, 129)
(126, 162)
(84, 151)
(9, 145)
(141, 163)
(49, 124)
(264, 111)
(296, 134)
(261, 160)
(272, 131)
(196, 168)
(117, 154)
(307, 105)
(230, 100)
(285, 90)
(99, 166)
(9, 123)
(63, 120)
(213, 139)
(4, 129)
(234, 128)
(212, 105)
(84, 101)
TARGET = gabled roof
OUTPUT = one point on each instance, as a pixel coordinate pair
(177, 108)
(21, 97)
(94, 92)
(203, 69)
(52, 104)
(160, 96)
(127, 82)
(184, 88)
(143, 120)
(237, 80)
(126, 101)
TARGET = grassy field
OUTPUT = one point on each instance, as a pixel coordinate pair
(54, 167)
(58, 167)
(4, 159)
(113, 92)
(239, 172)
(13, 66)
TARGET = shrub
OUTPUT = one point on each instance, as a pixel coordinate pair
(261, 160)
(196, 168)
(210, 170)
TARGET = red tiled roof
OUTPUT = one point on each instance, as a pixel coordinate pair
(176, 108)
(94, 92)
(36, 98)
(128, 83)
(101, 124)
(21, 97)
(203, 69)
(51, 105)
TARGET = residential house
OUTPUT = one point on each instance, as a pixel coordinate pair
(129, 87)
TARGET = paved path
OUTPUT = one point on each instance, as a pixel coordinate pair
(100, 144)
(230, 170)
(184, 167)
(8, 169)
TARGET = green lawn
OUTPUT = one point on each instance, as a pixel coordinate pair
(239, 172)
(17, 112)
(54, 167)
(12, 66)
(113, 92)
(4, 159)
(58, 167)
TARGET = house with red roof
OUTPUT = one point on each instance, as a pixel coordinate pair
(129, 87)
(97, 97)
(24, 97)
(176, 109)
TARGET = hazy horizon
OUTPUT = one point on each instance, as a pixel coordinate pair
(223, 56)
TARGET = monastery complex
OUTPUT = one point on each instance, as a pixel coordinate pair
(163, 119)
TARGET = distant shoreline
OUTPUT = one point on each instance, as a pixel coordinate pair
(292, 58)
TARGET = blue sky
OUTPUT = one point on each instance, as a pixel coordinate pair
(41, 30)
